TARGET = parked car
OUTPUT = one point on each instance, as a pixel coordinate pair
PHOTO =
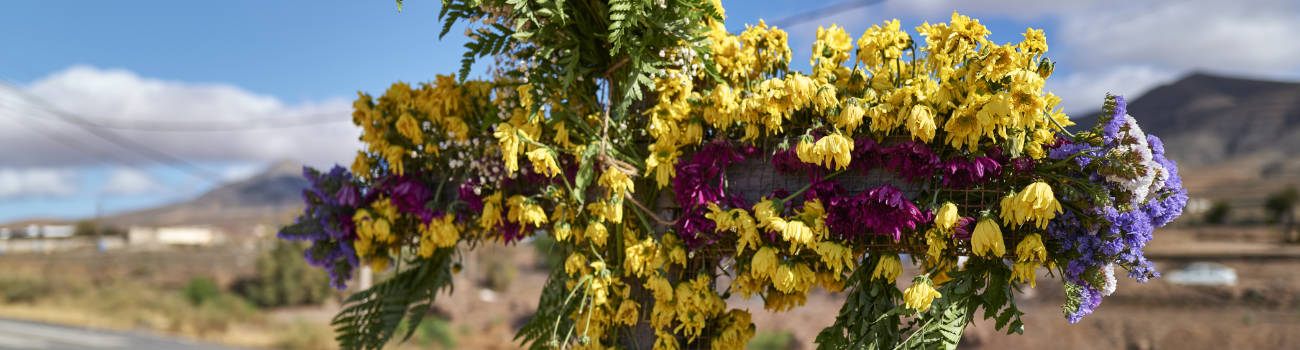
(1204, 274)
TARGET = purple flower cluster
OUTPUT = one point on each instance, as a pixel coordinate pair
(960, 172)
(698, 183)
(331, 200)
(1121, 231)
(913, 160)
(880, 211)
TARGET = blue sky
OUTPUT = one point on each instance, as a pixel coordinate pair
(241, 61)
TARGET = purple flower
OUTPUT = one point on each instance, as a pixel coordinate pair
(959, 172)
(880, 211)
(913, 160)
(411, 196)
(466, 192)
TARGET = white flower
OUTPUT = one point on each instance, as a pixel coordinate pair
(1111, 283)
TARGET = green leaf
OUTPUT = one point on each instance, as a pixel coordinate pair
(585, 171)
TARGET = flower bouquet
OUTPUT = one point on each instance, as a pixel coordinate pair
(678, 165)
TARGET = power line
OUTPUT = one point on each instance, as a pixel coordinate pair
(306, 120)
(823, 12)
(84, 124)
(71, 143)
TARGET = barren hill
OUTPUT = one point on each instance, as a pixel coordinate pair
(268, 197)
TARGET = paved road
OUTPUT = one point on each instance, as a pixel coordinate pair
(31, 335)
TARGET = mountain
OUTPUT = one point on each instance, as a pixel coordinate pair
(269, 197)
(1207, 119)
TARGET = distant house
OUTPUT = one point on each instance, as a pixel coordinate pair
(172, 236)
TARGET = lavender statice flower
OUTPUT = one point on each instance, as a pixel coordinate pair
(326, 222)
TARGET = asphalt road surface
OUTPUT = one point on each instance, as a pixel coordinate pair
(31, 335)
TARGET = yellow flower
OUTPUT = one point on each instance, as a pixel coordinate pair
(665, 340)
(835, 256)
(627, 312)
(597, 234)
(576, 263)
(1025, 272)
(946, 217)
(1031, 249)
(1041, 202)
(888, 268)
(850, 117)
(544, 162)
(764, 263)
(921, 123)
(524, 212)
(491, 211)
(737, 330)
(408, 127)
(987, 239)
(663, 161)
(508, 140)
(616, 181)
(1035, 42)
(1035, 202)
(920, 295)
(660, 289)
(797, 232)
(361, 165)
(379, 264)
(937, 242)
(832, 151)
(825, 98)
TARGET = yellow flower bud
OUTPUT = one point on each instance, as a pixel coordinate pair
(1025, 272)
(889, 268)
(1031, 249)
(920, 295)
(987, 239)
(946, 217)
(543, 162)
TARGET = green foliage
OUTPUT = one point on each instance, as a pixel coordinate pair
(869, 318)
(548, 252)
(872, 315)
(1281, 204)
(432, 332)
(370, 317)
(553, 308)
(778, 340)
(200, 290)
(284, 278)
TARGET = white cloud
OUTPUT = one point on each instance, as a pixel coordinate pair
(1242, 37)
(240, 172)
(128, 181)
(37, 182)
(120, 97)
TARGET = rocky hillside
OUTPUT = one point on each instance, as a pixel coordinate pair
(1235, 139)
(1212, 119)
(270, 197)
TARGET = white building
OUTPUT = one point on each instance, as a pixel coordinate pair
(172, 236)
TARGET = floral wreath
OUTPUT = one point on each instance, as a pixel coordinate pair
(677, 165)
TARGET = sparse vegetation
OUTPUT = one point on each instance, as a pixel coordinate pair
(285, 279)
(777, 340)
(1281, 210)
(1218, 212)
